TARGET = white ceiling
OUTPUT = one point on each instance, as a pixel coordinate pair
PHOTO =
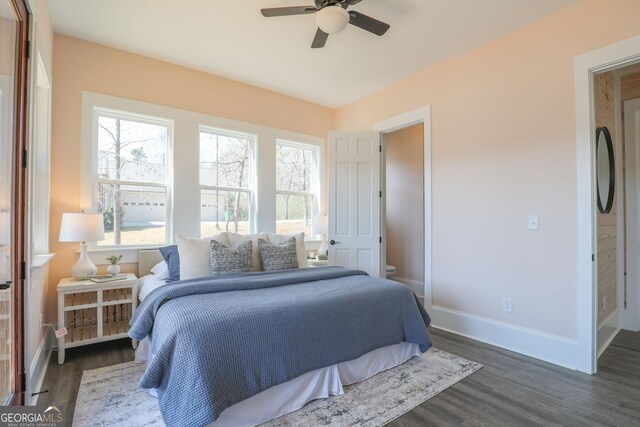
(232, 39)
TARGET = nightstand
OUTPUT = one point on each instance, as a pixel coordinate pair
(95, 312)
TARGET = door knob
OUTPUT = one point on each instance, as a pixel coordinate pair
(6, 285)
(332, 242)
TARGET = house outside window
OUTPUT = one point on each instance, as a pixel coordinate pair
(225, 182)
(297, 177)
(132, 171)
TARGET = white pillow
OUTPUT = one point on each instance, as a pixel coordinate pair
(163, 275)
(235, 239)
(194, 255)
(301, 251)
(148, 283)
(160, 268)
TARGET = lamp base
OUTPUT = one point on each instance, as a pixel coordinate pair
(324, 247)
(83, 268)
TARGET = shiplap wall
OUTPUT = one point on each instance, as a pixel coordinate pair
(607, 270)
(630, 86)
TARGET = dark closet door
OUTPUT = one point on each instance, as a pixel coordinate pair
(14, 23)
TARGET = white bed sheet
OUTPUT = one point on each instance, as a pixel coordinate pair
(294, 394)
(147, 284)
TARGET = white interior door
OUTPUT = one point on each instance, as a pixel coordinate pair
(354, 201)
(631, 310)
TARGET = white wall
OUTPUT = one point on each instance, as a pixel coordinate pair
(504, 147)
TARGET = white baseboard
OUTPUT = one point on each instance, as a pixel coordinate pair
(38, 369)
(530, 342)
(607, 331)
(415, 285)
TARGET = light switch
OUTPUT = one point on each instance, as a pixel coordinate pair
(533, 222)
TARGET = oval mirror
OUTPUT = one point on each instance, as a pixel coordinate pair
(605, 169)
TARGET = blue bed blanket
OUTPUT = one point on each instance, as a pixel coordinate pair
(219, 340)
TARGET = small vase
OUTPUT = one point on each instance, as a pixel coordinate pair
(113, 269)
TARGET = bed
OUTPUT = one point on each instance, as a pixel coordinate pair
(239, 350)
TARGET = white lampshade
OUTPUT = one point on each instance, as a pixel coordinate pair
(5, 228)
(81, 227)
(320, 225)
(332, 19)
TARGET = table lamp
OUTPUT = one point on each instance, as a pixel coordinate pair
(321, 226)
(82, 227)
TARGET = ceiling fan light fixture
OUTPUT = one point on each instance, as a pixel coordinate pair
(332, 19)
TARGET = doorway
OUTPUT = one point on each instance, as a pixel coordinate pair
(586, 67)
(422, 118)
(403, 206)
(616, 95)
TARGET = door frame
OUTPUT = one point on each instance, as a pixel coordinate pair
(607, 58)
(420, 115)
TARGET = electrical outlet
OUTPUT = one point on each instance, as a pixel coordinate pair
(604, 303)
(507, 305)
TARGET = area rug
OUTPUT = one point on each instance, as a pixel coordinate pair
(111, 397)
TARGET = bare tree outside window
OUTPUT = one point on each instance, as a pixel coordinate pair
(295, 188)
(225, 196)
(132, 176)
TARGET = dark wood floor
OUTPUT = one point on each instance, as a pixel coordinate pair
(510, 390)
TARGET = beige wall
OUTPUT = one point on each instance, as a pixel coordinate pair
(83, 66)
(503, 147)
(404, 151)
(604, 100)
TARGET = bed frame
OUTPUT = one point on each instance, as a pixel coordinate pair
(147, 259)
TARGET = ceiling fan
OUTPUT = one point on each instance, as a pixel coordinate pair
(331, 17)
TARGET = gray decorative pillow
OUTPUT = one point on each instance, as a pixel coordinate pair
(278, 256)
(225, 259)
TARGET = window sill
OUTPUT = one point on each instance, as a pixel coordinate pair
(41, 260)
(130, 253)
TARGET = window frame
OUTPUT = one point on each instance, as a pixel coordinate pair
(315, 181)
(100, 111)
(183, 159)
(251, 177)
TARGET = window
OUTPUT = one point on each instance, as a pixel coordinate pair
(296, 187)
(156, 172)
(132, 178)
(225, 182)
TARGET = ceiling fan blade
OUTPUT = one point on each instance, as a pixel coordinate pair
(320, 39)
(287, 11)
(368, 23)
